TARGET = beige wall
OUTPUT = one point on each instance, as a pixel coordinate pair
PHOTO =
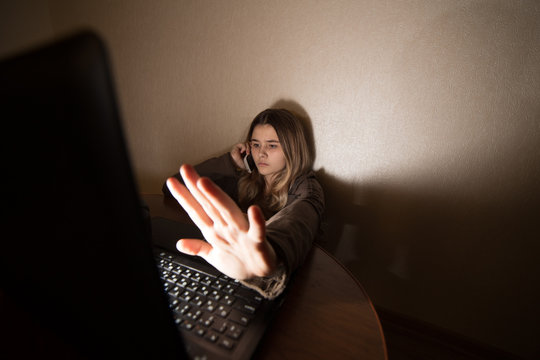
(426, 116)
(22, 24)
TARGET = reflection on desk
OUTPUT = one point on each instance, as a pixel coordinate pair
(326, 313)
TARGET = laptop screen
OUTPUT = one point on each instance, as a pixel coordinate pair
(78, 257)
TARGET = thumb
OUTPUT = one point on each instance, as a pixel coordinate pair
(194, 247)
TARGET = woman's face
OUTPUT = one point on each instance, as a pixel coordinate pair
(267, 152)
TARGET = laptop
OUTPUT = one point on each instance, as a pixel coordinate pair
(83, 267)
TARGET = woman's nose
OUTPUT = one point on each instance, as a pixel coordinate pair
(261, 149)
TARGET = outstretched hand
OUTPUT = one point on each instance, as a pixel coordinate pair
(236, 245)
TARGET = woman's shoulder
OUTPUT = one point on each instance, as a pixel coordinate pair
(306, 189)
(306, 186)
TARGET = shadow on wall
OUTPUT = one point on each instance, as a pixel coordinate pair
(444, 258)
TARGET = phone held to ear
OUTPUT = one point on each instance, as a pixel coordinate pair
(249, 163)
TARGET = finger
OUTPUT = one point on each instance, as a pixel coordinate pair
(248, 148)
(191, 178)
(194, 247)
(257, 223)
(189, 203)
(227, 208)
(196, 212)
(237, 151)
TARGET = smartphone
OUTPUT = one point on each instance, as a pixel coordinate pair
(249, 163)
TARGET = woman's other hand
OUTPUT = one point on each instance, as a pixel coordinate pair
(237, 154)
(235, 245)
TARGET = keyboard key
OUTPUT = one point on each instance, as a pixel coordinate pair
(218, 284)
(175, 291)
(199, 330)
(203, 290)
(239, 317)
(177, 269)
(223, 311)
(182, 282)
(227, 300)
(219, 325)
(193, 314)
(230, 288)
(210, 306)
(187, 325)
(198, 301)
(226, 343)
(186, 296)
(244, 306)
(211, 336)
(164, 255)
(206, 320)
(214, 295)
(193, 286)
(206, 280)
(167, 286)
(186, 273)
(173, 302)
(181, 309)
(234, 332)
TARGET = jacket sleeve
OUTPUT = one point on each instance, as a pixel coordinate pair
(221, 170)
(291, 232)
(293, 229)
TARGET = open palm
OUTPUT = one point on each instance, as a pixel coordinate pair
(235, 244)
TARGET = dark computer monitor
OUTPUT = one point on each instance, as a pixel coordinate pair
(75, 255)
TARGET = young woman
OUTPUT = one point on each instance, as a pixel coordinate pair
(283, 200)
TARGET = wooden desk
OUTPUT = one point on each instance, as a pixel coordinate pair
(326, 314)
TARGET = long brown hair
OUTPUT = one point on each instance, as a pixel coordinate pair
(298, 161)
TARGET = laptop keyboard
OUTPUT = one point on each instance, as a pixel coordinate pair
(213, 307)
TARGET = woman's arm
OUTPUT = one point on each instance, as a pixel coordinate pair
(288, 235)
(221, 170)
(292, 230)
